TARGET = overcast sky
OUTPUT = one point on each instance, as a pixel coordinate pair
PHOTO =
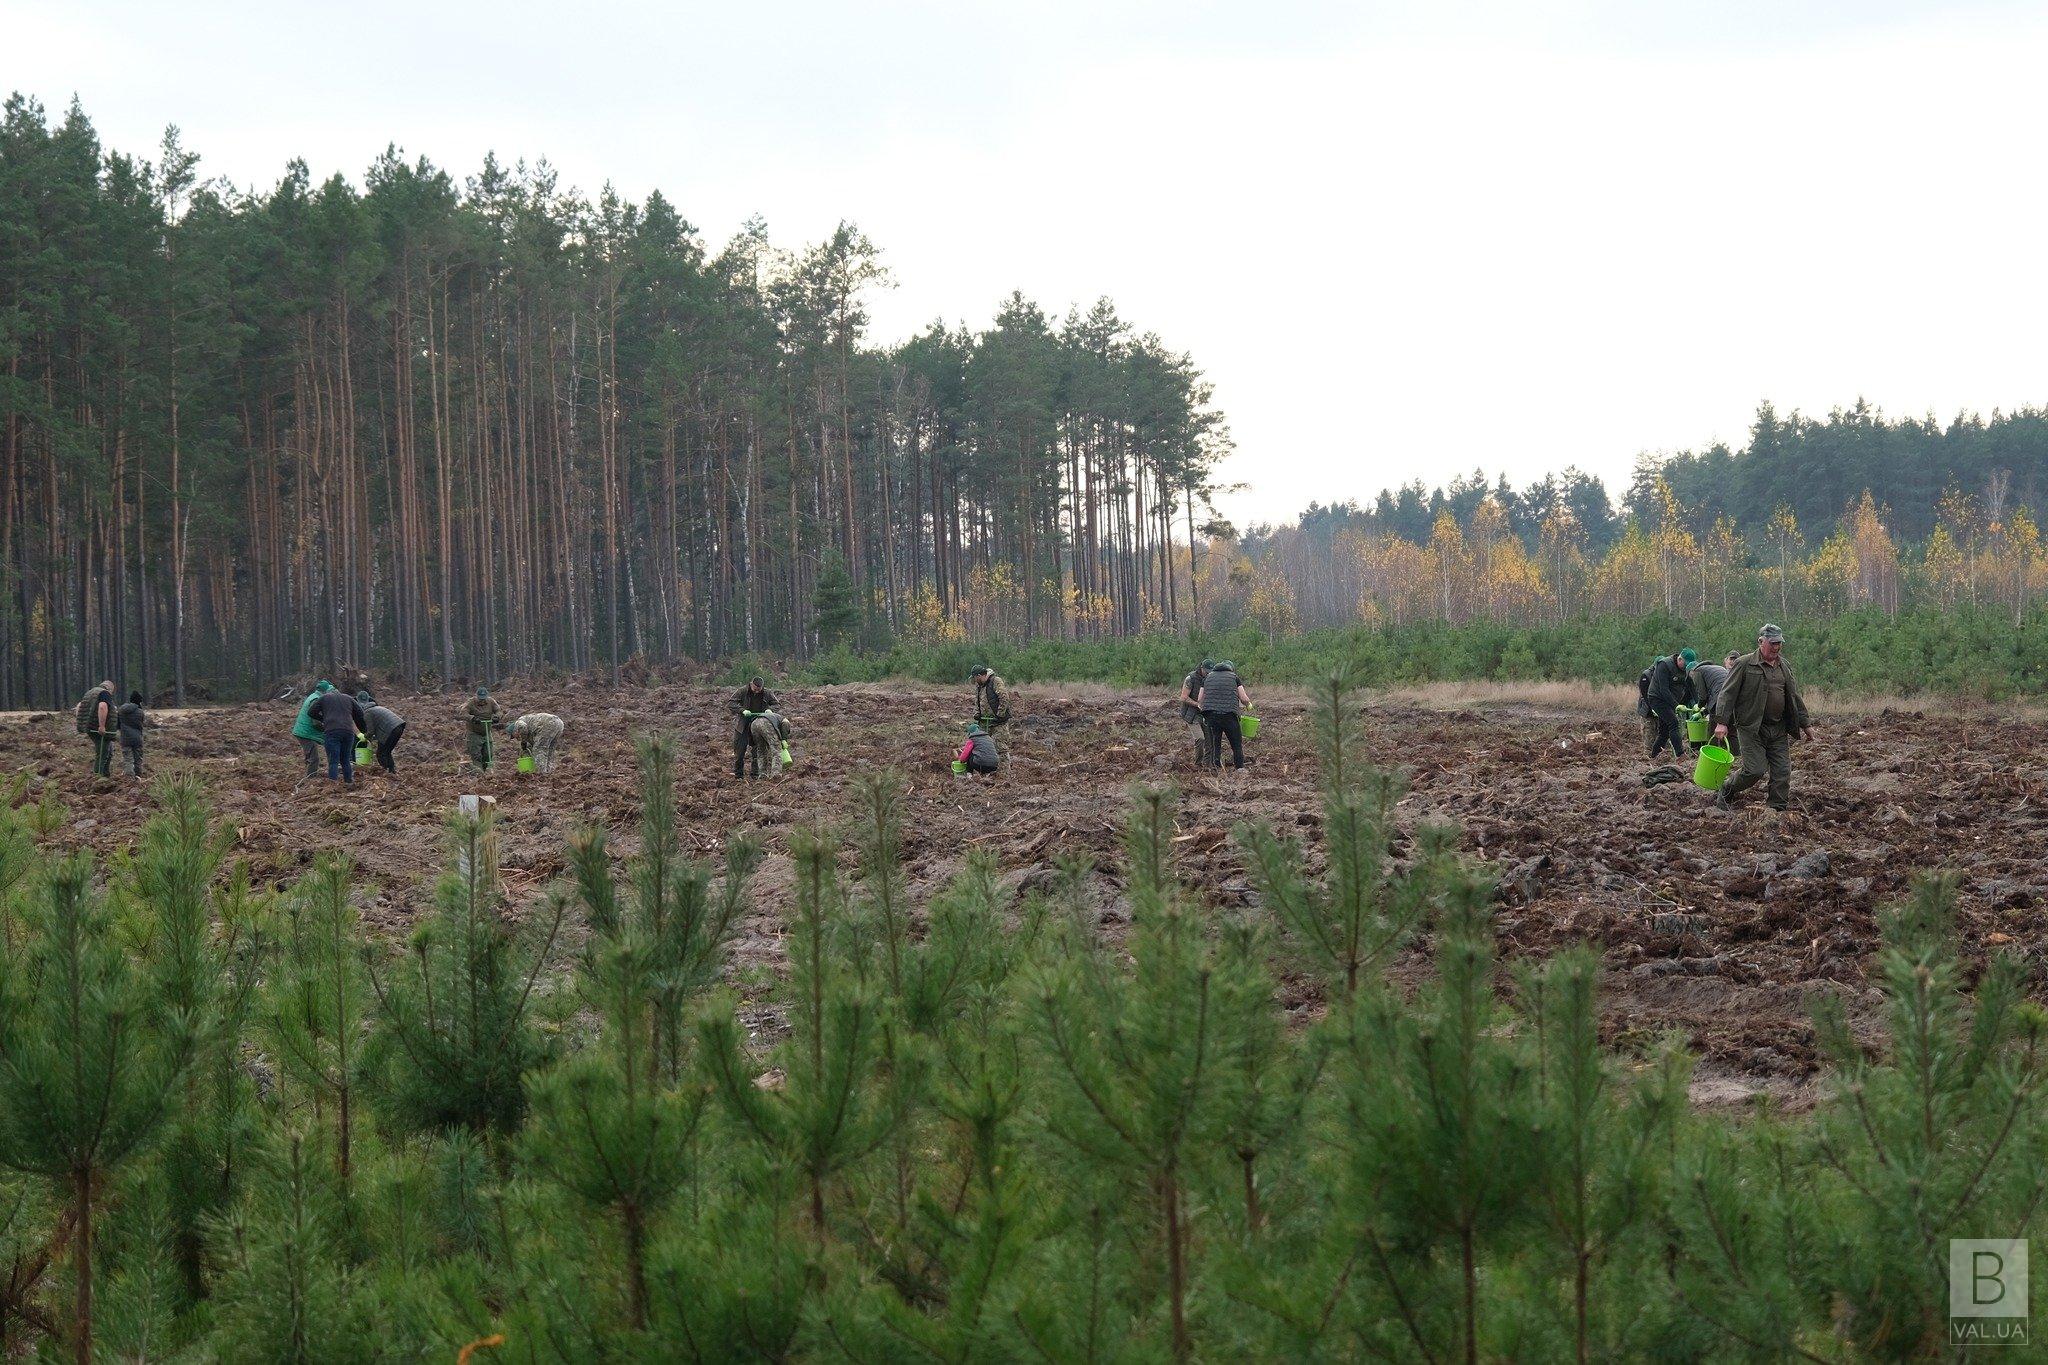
(1402, 239)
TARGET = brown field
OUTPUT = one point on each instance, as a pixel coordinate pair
(1722, 927)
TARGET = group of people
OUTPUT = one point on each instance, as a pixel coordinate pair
(1752, 701)
(110, 724)
(333, 723)
(1213, 698)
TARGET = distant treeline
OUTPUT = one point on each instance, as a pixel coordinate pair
(1809, 516)
(1817, 468)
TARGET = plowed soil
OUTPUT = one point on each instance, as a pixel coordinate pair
(1721, 926)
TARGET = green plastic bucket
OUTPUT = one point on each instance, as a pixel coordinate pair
(1248, 725)
(365, 754)
(525, 763)
(1696, 729)
(959, 768)
(1712, 769)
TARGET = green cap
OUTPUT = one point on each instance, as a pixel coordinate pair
(323, 686)
(1227, 666)
(973, 727)
(1691, 657)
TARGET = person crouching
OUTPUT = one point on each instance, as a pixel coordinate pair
(978, 753)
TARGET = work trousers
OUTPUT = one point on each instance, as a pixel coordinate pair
(1224, 725)
(1766, 752)
(390, 743)
(341, 756)
(1666, 729)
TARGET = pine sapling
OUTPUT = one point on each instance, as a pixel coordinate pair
(205, 947)
(454, 1035)
(1603, 1144)
(1136, 1058)
(287, 1294)
(1275, 1075)
(85, 1080)
(1939, 1136)
(827, 1114)
(612, 1125)
(1362, 909)
(1441, 1133)
(971, 1220)
(316, 1003)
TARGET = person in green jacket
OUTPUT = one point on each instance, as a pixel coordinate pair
(307, 732)
(1762, 704)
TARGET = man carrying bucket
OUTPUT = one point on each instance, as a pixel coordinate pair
(1762, 703)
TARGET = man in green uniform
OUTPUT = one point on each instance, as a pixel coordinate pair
(480, 713)
(749, 702)
(1762, 704)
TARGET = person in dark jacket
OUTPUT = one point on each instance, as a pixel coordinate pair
(340, 720)
(1670, 686)
(1223, 702)
(130, 720)
(386, 727)
(1763, 706)
(750, 701)
(1191, 707)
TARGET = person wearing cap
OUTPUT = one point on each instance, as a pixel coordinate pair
(479, 714)
(1191, 707)
(1224, 701)
(1762, 705)
(130, 720)
(306, 730)
(1670, 686)
(386, 728)
(1708, 678)
(750, 701)
(978, 754)
(991, 697)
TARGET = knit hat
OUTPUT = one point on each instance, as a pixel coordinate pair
(1227, 667)
(363, 698)
(974, 729)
